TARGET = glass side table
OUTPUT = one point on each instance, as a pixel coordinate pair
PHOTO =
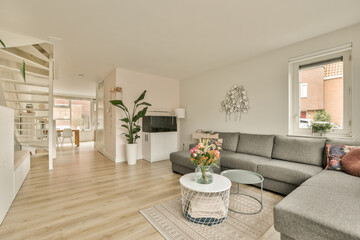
(245, 177)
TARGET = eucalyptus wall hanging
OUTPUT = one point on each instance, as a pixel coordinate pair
(236, 103)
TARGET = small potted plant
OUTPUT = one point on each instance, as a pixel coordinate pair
(321, 127)
(203, 156)
(321, 123)
(131, 125)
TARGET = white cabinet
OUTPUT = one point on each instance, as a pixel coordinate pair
(158, 146)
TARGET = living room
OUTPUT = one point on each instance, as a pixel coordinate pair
(192, 59)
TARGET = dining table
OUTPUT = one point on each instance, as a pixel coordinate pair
(77, 135)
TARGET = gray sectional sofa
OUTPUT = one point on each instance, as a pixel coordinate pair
(320, 204)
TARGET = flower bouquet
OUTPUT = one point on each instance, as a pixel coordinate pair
(203, 156)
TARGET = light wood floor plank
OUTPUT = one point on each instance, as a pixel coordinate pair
(87, 196)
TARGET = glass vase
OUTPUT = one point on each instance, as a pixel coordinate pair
(203, 174)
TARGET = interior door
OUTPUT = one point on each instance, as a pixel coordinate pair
(99, 139)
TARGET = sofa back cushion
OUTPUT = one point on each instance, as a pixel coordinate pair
(302, 150)
(230, 140)
(338, 141)
(260, 145)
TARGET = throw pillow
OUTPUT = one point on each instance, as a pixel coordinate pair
(215, 143)
(334, 154)
(351, 162)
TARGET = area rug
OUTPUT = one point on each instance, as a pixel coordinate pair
(168, 219)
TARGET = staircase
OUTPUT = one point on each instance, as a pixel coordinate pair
(32, 99)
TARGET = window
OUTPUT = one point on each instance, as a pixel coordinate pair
(80, 114)
(319, 92)
(62, 113)
(303, 90)
(74, 114)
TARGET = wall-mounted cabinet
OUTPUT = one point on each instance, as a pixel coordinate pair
(158, 146)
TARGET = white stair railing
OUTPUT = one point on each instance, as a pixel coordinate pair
(32, 99)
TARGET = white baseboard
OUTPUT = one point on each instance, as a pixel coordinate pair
(111, 157)
(120, 160)
(114, 159)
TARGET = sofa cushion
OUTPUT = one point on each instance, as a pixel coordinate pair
(242, 161)
(351, 162)
(182, 158)
(334, 155)
(289, 172)
(302, 150)
(260, 145)
(230, 140)
(324, 207)
(339, 141)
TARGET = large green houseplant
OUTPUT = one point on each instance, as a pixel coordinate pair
(131, 124)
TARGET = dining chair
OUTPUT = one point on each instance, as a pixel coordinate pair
(67, 133)
(58, 138)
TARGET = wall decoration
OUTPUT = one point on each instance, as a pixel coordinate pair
(236, 103)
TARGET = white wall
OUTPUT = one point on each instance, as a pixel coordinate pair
(162, 93)
(266, 79)
(75, 88)
(109, 117)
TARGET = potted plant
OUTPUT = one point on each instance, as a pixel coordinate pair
(131, 124)
(321, 123)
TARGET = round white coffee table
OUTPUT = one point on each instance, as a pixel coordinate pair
(245, 177)
(205, 204)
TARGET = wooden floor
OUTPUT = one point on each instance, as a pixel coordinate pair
(87, 196)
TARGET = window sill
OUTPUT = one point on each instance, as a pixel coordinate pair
(332, 136)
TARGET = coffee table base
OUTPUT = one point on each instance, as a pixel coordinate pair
(259, 201)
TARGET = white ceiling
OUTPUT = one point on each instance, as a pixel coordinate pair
(176, 39)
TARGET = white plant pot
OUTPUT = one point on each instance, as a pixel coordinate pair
(131, 153)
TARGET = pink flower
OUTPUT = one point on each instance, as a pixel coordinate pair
(194, 149)
(194, 155)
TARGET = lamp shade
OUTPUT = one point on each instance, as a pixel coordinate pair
(180, 112)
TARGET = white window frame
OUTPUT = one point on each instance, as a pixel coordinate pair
(303, 93)
(70, 107)
(343, 51)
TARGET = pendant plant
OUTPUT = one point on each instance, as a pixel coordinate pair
(132, 119)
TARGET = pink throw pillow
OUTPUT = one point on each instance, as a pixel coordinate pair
(351, 162)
